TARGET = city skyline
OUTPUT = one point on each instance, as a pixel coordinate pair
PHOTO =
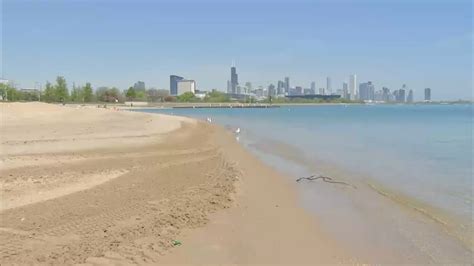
(363, 91)
(118, 44)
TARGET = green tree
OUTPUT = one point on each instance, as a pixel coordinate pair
(140, 95)
(61, 91)
(49, 93)
(186, 97)
(9, 93)
(131, 93)
(87, 92)
(76, 94)
(216, 97)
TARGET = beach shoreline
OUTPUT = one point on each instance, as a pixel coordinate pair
(144, 188)
(387, 227)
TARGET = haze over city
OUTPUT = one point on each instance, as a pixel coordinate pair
(417, 43)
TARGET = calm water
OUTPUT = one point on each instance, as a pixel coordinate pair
(409, 167)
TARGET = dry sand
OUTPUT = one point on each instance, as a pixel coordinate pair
(96, 186)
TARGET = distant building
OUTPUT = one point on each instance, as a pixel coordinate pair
(29, 90)
(200, 94)
(307, 91)
(396, 95)
(399, 95)
(229, 88)
(248, 86)
(322, 91)
(378, 97)
(427, 94)
(328, 85)
(287, 85)
(139, 86)
(234, 79)
(280, 87)
(366, 91)
(402, 94)
(271, 90)
(313, 87)
(345, 90)
(299, 90)
(353, 86)
(386, 96)
(186, 86)
(410, 96)
(174, 84)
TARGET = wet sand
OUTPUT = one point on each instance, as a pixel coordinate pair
(99, 186)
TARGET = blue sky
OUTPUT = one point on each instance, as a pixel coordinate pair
(115, 43)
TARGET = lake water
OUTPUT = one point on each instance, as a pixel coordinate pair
(407, 171)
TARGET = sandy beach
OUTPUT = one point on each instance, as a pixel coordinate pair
(94, 186)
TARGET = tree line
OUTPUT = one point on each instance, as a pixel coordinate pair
(59, 92)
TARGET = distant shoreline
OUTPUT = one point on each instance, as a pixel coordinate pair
(171, 105)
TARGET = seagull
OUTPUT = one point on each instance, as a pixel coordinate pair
(237, 131)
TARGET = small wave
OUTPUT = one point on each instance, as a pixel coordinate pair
(440, 217)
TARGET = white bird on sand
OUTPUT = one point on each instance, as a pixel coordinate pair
(237, 131)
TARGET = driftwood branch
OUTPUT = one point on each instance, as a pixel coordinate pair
(326, 179)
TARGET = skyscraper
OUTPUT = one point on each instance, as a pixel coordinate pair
(299, 90)
(328, 85)
(386, 96)
(396, 95)
(234, 79)
(345, 90)
(313, 87)
(280, 87)
(248, 86)
(186, 86)
(367, 91)
(410, 96)
(271, 90)
(287, 85)
(427, 94)
(401, 94)
(353, 86)
(174, 84)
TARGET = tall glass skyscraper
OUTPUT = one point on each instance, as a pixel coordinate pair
(353, 86)
(234, 79)
(367, 91)
(410, 96)
(174, 84)
(287, 85)
(345, 90)
(427, 94)
(328, 86)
